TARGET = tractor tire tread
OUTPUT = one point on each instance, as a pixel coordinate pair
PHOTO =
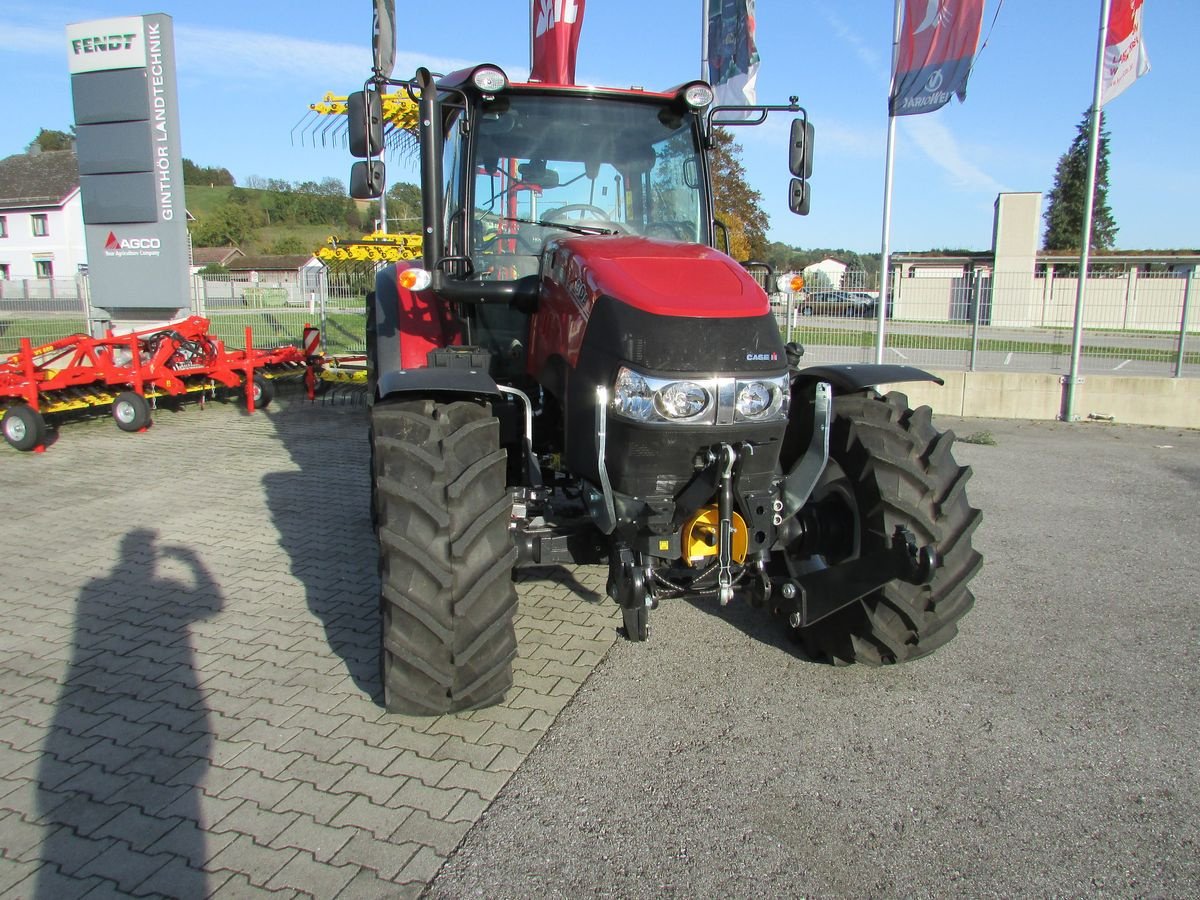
(904, 473)
(447, 603)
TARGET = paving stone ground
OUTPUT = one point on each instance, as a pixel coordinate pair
(188, 681)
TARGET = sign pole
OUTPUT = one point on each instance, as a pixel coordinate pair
(885, 252)
(1068, 410)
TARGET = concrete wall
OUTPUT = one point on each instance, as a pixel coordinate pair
(1167, 402)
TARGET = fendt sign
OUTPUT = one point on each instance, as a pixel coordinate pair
(130, 162)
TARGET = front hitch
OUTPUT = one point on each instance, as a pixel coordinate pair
(813, 597)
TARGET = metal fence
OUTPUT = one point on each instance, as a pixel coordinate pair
(1134, 322)
(278, 311)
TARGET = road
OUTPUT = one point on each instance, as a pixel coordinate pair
(1050, 750)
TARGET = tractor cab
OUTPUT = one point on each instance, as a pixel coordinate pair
(546, 164)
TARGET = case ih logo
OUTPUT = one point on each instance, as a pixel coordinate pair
(131, 246)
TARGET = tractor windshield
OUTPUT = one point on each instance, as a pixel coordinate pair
(545, 165)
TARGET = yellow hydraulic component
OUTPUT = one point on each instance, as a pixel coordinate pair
(398, 110)
(337, 375)
(700, 536)
(376, 247)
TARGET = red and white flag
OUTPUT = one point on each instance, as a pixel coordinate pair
(937, 47)
(555, 27)
(1125, 59)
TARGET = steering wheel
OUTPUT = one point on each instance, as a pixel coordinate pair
(589, 212)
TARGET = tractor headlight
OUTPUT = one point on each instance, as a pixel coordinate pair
(632, 396)
(759, 401)
(700, 401)
(681, 400)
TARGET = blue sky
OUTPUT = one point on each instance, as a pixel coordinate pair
(249, 70)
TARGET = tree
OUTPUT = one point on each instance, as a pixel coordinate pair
(1064, 213)
(210, 176)
(48, 139)
(737, 204)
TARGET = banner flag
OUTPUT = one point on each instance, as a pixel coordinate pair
(938, 41)
(384, 37)
(1125, 59)
(731, 52)
(555, 27)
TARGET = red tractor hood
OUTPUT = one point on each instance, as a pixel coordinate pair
(666, 278)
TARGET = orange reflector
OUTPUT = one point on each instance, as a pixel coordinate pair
(414, 279)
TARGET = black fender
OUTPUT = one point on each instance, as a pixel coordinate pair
(847, 379)
(437, 380)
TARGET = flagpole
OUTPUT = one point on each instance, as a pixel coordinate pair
(885, 252)
(1068, 411)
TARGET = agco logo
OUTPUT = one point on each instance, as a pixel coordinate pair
(115, 243)
(132, 246)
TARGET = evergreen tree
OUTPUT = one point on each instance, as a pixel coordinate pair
(1064, 213)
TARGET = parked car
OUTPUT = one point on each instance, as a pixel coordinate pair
(837, 303)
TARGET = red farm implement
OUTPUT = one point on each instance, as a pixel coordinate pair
(128, 373)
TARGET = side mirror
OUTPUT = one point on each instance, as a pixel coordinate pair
(799, 195)
(364, 114)
(800, 151)
(367, 179)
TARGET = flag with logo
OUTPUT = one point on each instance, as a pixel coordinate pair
(731, 51)
(556, 25)
(1125, 59)
(938, 41)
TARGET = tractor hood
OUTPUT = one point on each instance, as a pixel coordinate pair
(665, 278)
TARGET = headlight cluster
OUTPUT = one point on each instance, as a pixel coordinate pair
(709, 401)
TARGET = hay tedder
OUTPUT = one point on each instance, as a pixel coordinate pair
(128, 374)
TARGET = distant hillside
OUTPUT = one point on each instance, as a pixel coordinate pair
(295, 219)
(273, 221)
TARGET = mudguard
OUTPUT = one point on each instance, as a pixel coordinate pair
(437, 380)
(856, 376)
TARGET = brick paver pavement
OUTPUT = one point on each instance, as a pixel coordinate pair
(188, 643)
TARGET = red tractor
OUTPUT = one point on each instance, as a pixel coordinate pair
(575, 374)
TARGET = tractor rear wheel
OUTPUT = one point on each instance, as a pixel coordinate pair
(445, 557)
(889, 467)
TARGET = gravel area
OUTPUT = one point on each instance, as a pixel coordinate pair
(1049, 750)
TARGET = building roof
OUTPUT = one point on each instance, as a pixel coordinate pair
(38, 179)
(289, 263)
(222, 256)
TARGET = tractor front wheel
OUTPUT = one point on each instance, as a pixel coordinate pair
(447, 601)
(889, 467)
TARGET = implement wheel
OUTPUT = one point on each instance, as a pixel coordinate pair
(131, 411)
(889, 467)
(264, 391)
(447, 601)
(23, 427)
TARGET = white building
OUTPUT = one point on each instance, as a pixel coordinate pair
(829, 272)
(41, 222)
